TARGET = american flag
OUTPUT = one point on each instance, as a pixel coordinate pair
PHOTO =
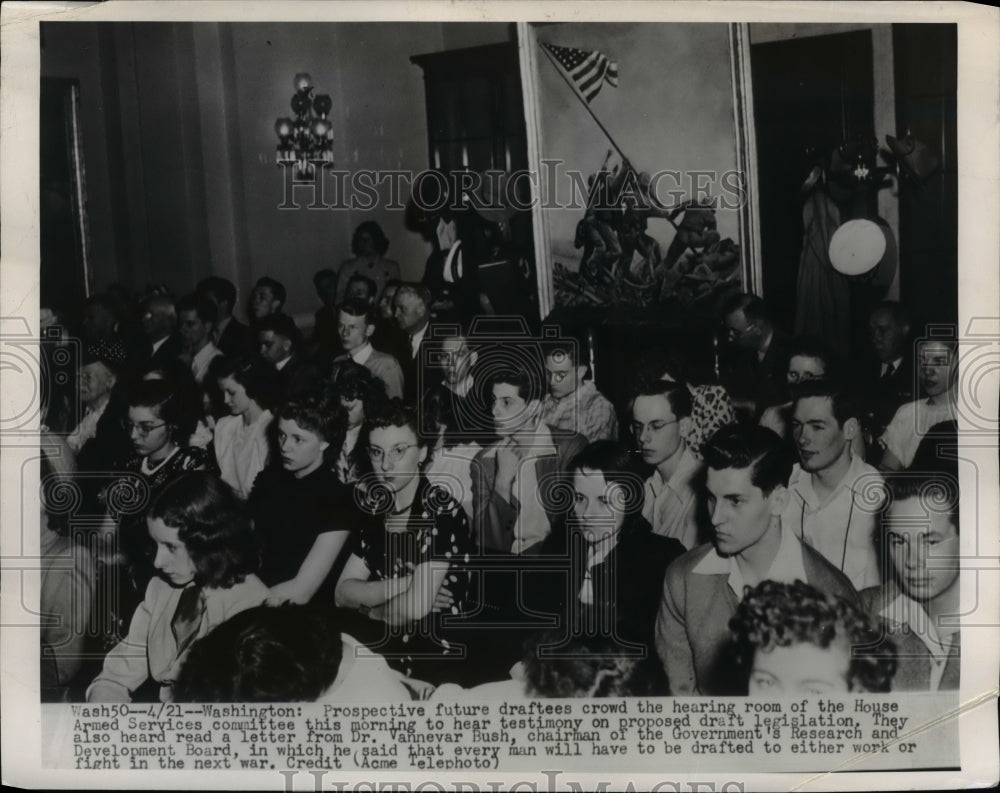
(588, 70)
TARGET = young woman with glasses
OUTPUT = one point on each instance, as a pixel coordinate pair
(159, 422)
(410, 565)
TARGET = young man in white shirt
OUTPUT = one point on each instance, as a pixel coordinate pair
(919, 604)
(834, 495)
(355, 326)
(661, 412)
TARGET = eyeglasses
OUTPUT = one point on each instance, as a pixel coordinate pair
(556, 377)
(654, 426)
(736, 333)
(142, 428)
(395, 454)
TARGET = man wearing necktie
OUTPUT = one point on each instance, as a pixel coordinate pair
(411, 311)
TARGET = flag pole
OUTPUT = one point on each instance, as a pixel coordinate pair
(583, 100)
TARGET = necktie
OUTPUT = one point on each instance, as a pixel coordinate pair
(187, 617)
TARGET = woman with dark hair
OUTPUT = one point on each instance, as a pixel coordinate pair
(302, 514)
(158, 422)
(285, 653)
(360, 394)
(617, 562)
(205, 560)
(412, 554)
(369, 246)
(248, 386)
(195, 401)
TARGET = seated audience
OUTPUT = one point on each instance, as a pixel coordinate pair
(229, 334)
(369, 246)
(355, 326)
(196, 315)
(661, 415)
(195, 401)
(792, 640)
(267, 298)
(747, 489)
(285, 653)
(834, 495)
(411, 555)
(241, 443)
(919, 603)
(205, 560)
(938, 362)
(512, 479)
(573, 403)
(360, 394)
(302, 515)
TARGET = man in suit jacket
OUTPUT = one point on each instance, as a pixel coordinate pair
(159, 324)
(230, 335)
(890, 376)
(919, 605)
(355, 326)
(759, 351)
(516, 482)
(279, 341)
(411, 310)
(747, 478)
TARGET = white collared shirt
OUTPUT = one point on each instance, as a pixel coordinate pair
(597, 552)
(282, 363)
(670, 506)
(362, 353)
(158, 344)
(415, 340)
(842, 526)
(786, 567)
(895, 364)
(202, 359)
(906, 611)
(911, 423)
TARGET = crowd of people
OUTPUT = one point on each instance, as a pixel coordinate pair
(397, 507)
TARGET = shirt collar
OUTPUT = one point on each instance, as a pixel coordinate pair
(801, 482)
(906, 611)
(687, 464)
(282, 363)
(463, 388)
(786, 567)
(362, 353)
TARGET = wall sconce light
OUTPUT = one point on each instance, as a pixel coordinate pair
(308, 138)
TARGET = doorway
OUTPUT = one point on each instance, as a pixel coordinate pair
(810, 94)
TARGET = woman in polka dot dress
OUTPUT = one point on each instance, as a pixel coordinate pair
(409, 569)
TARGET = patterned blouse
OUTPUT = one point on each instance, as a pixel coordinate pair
(437, 530)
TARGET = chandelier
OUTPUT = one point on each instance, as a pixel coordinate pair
(308, 138)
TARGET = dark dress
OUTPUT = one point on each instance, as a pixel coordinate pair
(290, 513)
(437, 530)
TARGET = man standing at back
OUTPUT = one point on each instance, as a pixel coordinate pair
(411, 310)
(747, 483)
(230, 335)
